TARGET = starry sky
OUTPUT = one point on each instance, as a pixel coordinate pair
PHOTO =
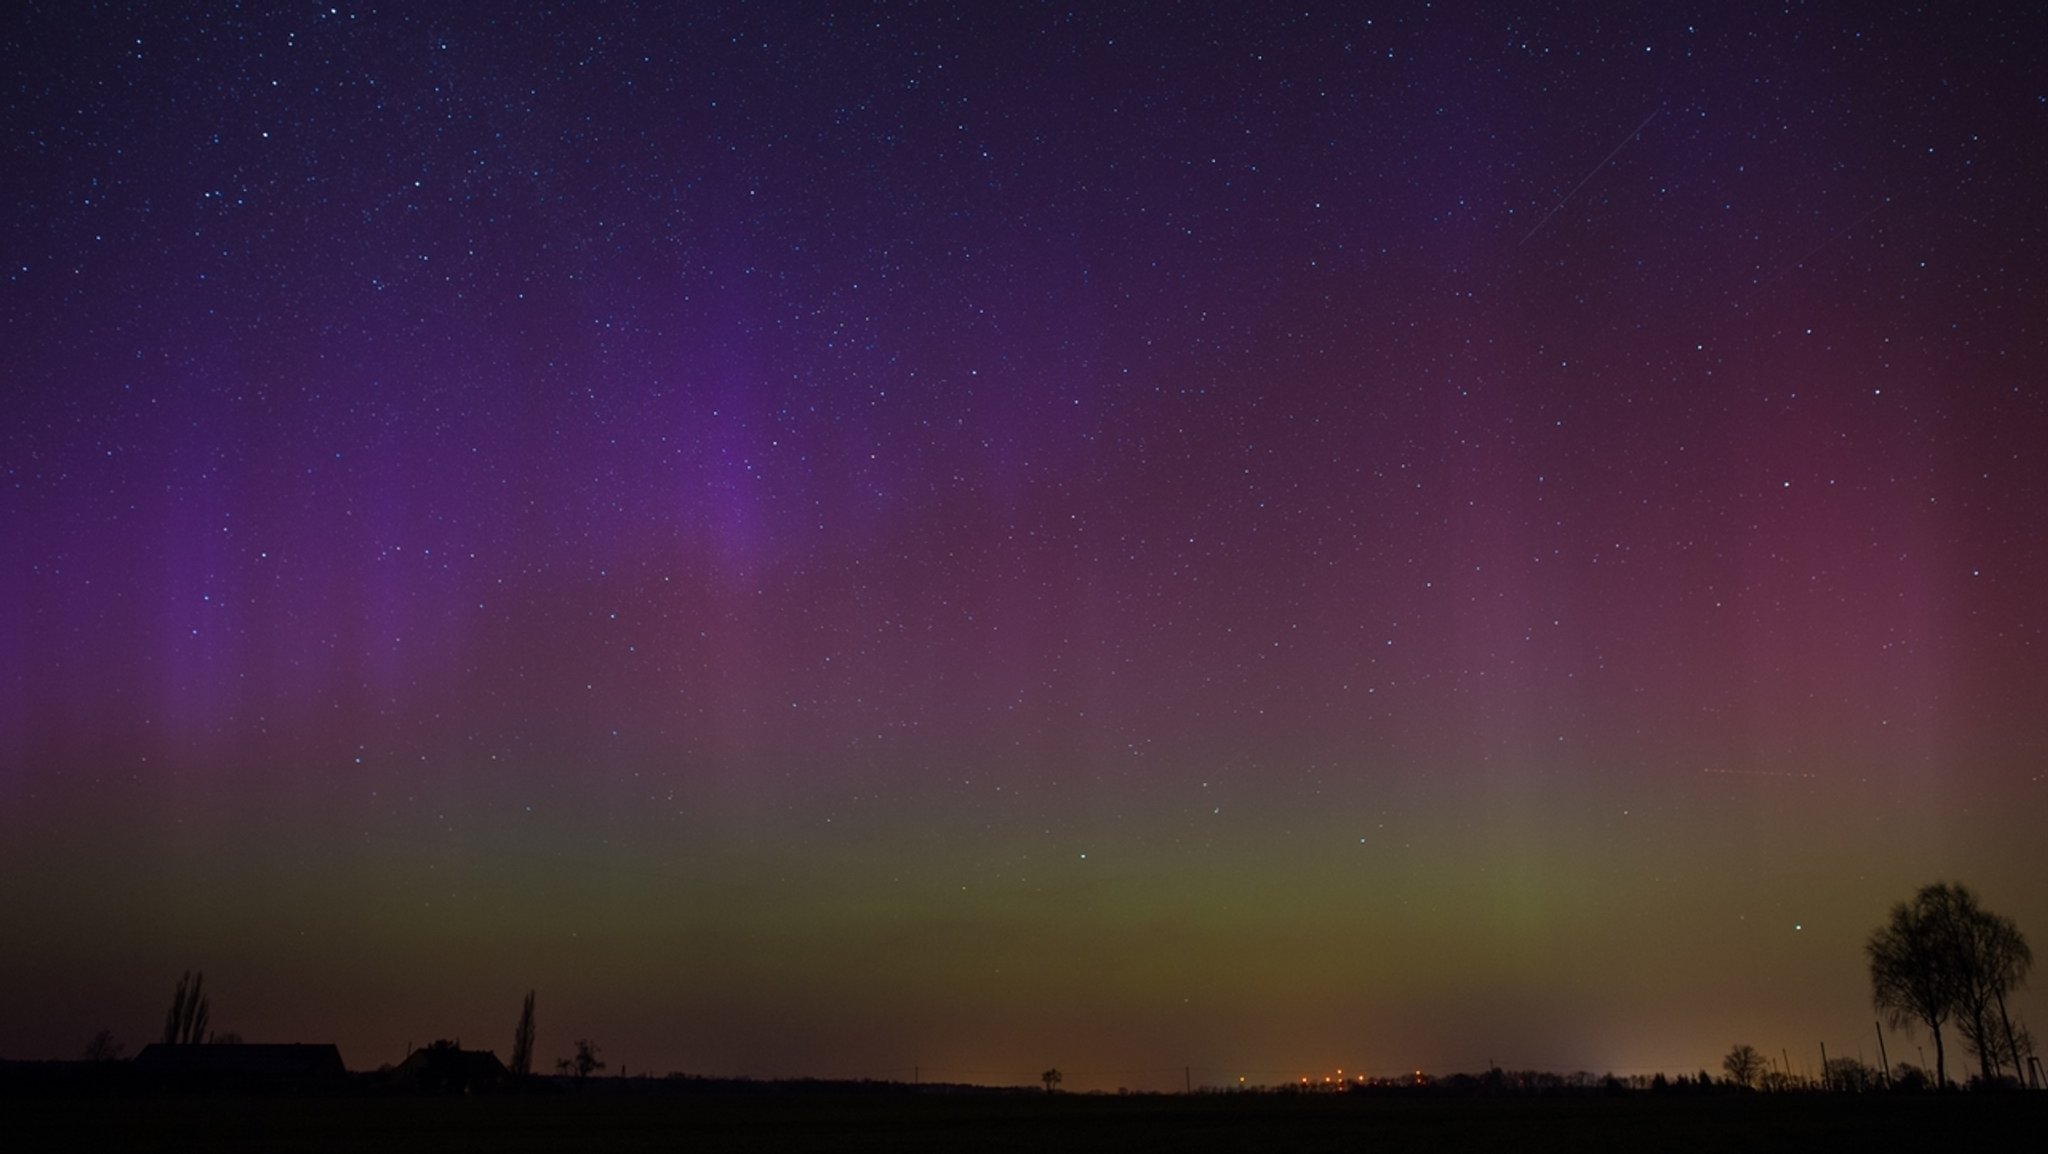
(888, 539)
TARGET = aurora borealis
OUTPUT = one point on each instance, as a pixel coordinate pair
(865, 539)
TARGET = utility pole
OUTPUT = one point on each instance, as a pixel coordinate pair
(1881, 1055)
(1825, 1081)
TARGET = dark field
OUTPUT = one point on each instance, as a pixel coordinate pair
(891, 1122)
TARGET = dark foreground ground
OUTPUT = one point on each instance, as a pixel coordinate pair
(771, 1122)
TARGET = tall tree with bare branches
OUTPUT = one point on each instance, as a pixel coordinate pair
(1943, 957)
(1996, 960)
(185, 1025)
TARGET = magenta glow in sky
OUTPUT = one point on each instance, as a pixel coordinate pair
(842, 540)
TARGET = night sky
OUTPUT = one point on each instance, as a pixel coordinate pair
(864, 539)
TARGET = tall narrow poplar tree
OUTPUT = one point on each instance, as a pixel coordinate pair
(522, 1040)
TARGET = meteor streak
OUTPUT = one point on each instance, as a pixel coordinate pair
(1582, 180)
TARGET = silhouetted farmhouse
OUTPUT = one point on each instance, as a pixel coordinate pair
(242, 1066)
(446, 1068)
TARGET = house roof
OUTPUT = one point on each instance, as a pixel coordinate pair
(444, 1063)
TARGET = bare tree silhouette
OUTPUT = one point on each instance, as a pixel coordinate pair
(185, 1025)
(1051, 1078)
(1744, 1066)
(586, 1058)
(522, 1040)
(1943, 956)
(1911, 980)
(102, 1048)
(1849, 1075)
(1997, 959)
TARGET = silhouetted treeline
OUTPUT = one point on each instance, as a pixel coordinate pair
(445, 1068)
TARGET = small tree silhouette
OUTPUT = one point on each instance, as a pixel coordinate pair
(1744, 1065)
(185, 1025)
(1907, 1076)
(522, 1040)
(102, 1048)
(1850, 1075)
(1051, 1078)
(586, 1058)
